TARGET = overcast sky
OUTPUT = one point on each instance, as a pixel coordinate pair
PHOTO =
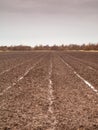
(50, 22)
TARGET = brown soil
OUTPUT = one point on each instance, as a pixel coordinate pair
(41, 92)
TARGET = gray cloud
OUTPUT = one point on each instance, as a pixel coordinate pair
(49, 6)
(47, 20)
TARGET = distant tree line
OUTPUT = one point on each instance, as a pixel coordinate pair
(15, 48)
(89, 46)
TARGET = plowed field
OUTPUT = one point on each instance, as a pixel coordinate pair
(49, 90)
